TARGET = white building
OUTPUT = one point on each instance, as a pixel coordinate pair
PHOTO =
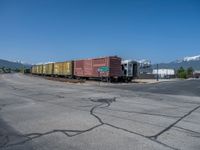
(164, 72)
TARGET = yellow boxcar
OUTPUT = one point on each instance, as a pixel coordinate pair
(63, 68)
(44, 69)
(40, 69)
(48, 69)
(37, 69)
(33, 70)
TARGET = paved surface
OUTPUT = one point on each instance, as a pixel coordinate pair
(40, 114)
(175, 87)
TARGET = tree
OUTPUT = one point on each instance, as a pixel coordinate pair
(9, 70)
(190, 71)
(181, 73)
(16, 70)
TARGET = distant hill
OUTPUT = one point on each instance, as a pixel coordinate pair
(12, 65)
(186, 62)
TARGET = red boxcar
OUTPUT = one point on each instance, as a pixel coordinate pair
(89, 68)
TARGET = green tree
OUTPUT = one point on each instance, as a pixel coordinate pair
(182, 73)
(9, 70)
(17, 70)
(190, 71)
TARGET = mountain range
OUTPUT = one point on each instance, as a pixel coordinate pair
(13, 65)
(186, 62)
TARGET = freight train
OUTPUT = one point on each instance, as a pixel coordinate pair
(105, 68)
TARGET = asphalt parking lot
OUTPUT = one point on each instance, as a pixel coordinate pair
(39, 114)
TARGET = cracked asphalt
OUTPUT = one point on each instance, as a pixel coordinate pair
(39, 114)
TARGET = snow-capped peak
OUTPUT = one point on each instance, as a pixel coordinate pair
(193, 58)
(144, 63)
(22, 62)
(188, 58)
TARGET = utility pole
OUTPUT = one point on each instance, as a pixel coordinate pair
(157, 73)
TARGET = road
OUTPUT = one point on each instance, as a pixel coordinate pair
(39, 114)
(179, 87)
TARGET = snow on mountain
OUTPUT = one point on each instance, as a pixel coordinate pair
(193, 58)
(186, 62)
(12, 65)
(188, 59)
(144, 63)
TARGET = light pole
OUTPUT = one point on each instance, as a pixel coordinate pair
(157, 73)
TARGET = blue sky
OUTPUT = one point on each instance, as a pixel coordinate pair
(56, 30)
